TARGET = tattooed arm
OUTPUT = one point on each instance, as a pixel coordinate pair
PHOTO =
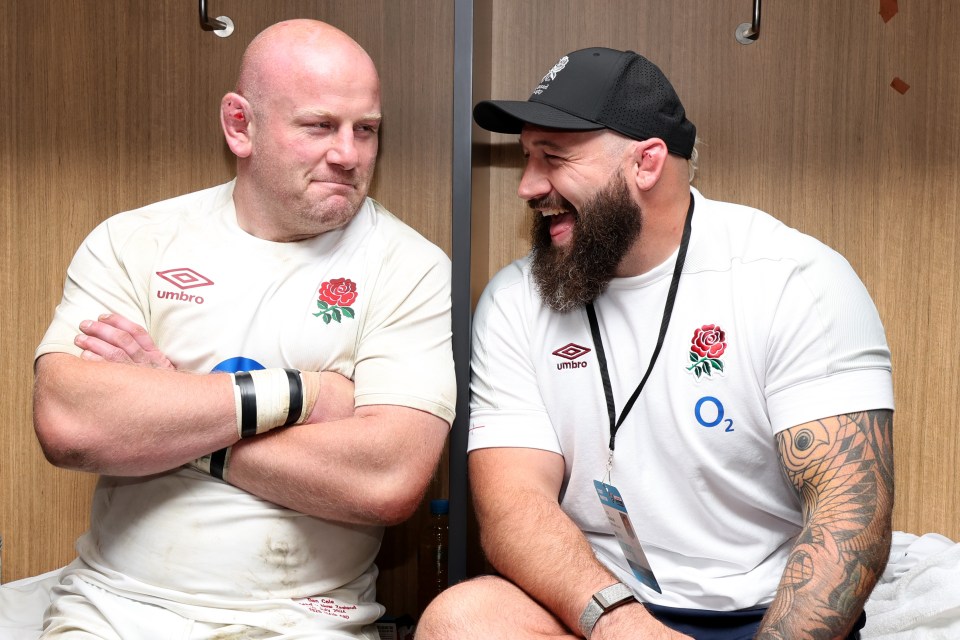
(842, 468)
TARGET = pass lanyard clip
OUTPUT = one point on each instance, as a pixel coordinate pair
(598, 343)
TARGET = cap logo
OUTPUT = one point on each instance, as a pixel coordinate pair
(551, 75)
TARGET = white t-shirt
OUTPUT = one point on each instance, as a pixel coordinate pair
(771, 329)
(370, 301)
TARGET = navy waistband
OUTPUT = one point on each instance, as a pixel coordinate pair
(722, 625)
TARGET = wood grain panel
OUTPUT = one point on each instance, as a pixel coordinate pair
(9, 455)
(805, 125)
(112, 105)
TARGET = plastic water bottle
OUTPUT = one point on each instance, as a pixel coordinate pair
(432, 554)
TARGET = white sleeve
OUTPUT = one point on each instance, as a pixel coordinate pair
(405, 354)
(828, 353)
(97, 282)
(506, 407)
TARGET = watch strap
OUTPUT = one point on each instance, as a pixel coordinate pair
(601, 602)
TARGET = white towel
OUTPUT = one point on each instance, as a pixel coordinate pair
(22, 604)
(919, 596)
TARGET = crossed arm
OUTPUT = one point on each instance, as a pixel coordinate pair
(122, 409)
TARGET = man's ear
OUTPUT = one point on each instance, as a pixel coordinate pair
(235, 115)
(649, 157)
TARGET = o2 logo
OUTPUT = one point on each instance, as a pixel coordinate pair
(709, 413)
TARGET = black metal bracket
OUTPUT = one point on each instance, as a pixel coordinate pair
(206, 23)
(221, 26)
(748, 33)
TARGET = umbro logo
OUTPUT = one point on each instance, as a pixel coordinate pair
(183, 278)
(570, 352)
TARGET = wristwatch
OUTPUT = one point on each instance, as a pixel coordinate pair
(603, 601)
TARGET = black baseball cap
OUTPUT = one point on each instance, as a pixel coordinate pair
(598, 88)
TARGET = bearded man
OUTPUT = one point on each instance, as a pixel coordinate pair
(681, 409)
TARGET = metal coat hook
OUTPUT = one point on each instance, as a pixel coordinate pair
(222, 26)
(748, 33)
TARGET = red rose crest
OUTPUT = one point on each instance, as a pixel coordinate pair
(335, 299)
(708, 344)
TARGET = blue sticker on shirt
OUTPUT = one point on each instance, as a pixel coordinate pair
(237, 364)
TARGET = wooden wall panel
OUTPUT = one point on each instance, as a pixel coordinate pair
(111, 105)
(805, 125)
(8, 412)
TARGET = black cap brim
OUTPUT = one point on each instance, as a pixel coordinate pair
(509, 116)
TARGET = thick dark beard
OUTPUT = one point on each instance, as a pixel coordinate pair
(604, 230)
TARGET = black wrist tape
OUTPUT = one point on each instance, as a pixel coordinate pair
(296, 397)
(248, 404)
(218, 463)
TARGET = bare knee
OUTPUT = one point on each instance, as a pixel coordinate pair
(484, 608)
(456, 612)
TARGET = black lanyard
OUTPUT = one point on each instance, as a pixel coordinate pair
(667, 311)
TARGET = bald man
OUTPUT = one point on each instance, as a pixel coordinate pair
(260, 372)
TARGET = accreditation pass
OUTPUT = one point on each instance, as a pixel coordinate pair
(616, 511)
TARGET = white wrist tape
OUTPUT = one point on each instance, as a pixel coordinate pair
(268, 398)
(214, 464)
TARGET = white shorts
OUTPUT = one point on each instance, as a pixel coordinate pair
(81, 610)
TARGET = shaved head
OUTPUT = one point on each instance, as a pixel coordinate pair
(304, 124)
(296, 48)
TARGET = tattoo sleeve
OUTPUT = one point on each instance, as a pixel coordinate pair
(842, 468)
